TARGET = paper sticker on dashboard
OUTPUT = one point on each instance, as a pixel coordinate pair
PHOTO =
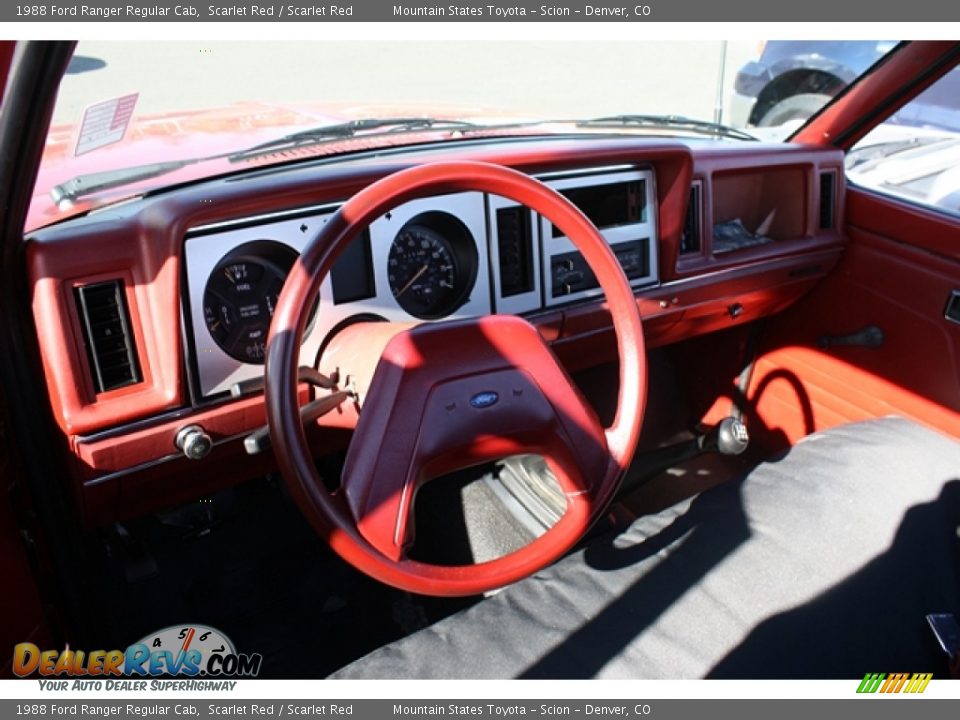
(105, 123)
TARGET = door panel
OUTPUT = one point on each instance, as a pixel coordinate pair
(20, 603)
(20, 606)
(887, 278)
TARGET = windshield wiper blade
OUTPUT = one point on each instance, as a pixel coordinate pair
(351, 128)
(92, 183)
(679, 122)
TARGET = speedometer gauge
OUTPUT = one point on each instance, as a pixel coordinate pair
(240, 297)
(432, 266)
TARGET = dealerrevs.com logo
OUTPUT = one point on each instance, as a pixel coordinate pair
(180, 650)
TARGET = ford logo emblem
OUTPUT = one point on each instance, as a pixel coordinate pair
(484, 399)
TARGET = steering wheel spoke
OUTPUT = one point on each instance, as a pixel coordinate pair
(450, 396)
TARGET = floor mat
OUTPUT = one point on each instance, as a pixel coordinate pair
(684, 480)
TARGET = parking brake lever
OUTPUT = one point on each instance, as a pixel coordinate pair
(259, 440)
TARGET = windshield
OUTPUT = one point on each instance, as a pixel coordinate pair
(133, 117)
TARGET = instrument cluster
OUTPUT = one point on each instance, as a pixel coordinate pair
(435, 258)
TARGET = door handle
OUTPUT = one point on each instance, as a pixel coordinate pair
(952, 311)
(871, 336)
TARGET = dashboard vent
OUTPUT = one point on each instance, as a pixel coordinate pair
(106, 332)
(692, 226)
(515, 241)
(827, 199)
(352, 274)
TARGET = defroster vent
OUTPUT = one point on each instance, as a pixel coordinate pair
(107, 334)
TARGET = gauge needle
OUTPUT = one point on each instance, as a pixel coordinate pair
(185, 646)
(187, 639)
(412, 280)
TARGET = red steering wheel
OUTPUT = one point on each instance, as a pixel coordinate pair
(449, 395)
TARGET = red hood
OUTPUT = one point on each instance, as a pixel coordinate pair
(202, 133)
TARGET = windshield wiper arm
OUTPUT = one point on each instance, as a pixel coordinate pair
(92, 183)
(351, 128)
(679, 122)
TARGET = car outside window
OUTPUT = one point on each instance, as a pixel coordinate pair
(915, 155)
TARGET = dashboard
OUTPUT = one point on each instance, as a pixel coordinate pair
(153, 315)
(435, 258)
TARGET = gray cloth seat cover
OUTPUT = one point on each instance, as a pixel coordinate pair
(822, 564)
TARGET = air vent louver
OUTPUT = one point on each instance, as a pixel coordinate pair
(690, 240)
(515, 241)
(106, 331)
(827, 199)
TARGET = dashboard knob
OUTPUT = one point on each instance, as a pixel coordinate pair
(193, 442)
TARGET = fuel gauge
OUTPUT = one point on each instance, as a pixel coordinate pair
(241, 296)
